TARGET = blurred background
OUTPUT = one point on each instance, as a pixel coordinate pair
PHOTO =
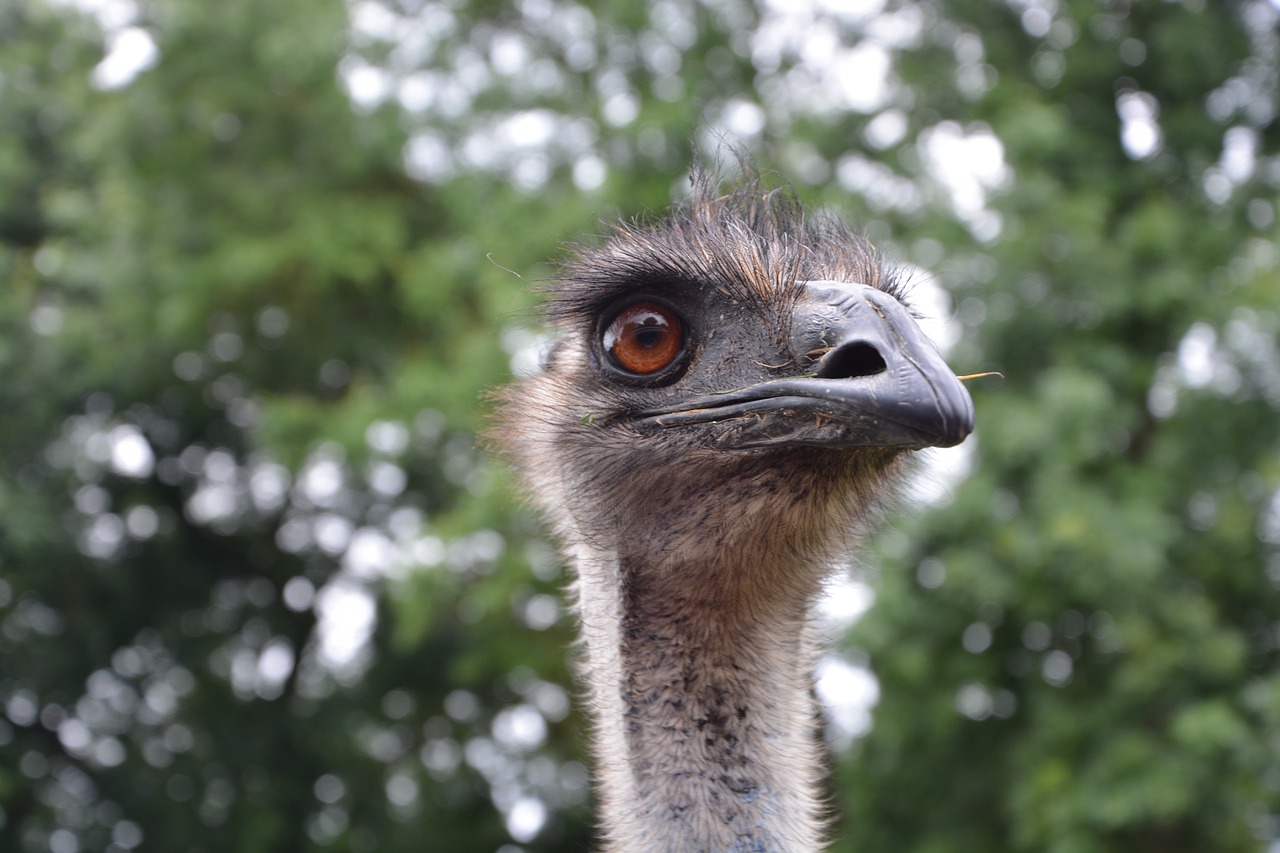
(259, 590)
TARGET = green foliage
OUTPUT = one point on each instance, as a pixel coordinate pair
(259, 590)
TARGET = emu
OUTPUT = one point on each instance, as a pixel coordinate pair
(731, 397)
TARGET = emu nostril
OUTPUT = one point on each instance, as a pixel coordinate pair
(849, 360)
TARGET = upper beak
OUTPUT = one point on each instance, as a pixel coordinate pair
(876, 380)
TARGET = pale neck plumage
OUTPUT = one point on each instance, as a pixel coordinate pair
(706, 736)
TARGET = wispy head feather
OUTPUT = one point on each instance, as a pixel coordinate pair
(749, 242)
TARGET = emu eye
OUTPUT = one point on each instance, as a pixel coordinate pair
(644, 338)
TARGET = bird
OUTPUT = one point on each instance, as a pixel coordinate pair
(732, 398)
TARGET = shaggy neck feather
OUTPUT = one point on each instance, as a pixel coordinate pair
(704, 719)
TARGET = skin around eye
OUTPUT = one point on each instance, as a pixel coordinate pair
(644, 338)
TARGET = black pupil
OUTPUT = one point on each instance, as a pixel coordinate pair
(649, 335)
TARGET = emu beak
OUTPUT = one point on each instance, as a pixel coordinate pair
(876, 381)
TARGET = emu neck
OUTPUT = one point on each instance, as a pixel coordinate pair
(705, 725)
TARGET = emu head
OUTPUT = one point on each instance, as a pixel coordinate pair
(735, 367)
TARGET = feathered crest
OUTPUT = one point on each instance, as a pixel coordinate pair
(750, 242)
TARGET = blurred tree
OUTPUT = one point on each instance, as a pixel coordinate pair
(259, 592)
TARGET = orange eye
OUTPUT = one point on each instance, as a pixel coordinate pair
(644, 338)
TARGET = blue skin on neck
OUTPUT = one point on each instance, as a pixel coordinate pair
(747, 847)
